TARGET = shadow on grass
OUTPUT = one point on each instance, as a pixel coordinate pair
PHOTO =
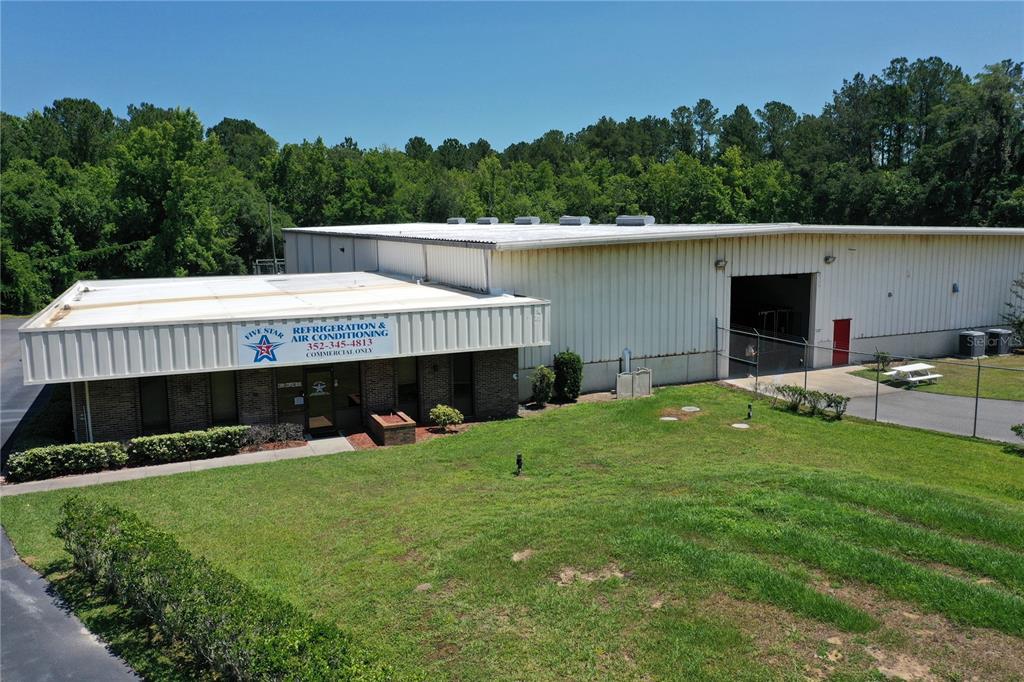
(127, 633)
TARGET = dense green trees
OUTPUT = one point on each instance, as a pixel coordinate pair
(88, 194)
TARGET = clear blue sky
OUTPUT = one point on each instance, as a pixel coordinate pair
(383, 72)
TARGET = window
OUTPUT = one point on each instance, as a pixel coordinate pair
(223, 398)
(462, 383)
(408, 387)
(153, 400)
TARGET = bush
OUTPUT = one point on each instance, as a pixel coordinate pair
(62, 460)
(445, 416)
(793, 395)
(837, 403)
(1018, 430)
(260, 434)
(243, 633)
(883, 360)
(568, 376)
(815, 400)
(543, 384)
(181, 447)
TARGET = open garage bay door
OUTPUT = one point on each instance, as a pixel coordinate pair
(770, 319)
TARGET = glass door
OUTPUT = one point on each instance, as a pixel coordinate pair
(320, 400)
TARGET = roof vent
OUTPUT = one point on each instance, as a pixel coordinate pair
(574, 220)
(487, 220)
(527, 220)
(634, 220)
(456, 221)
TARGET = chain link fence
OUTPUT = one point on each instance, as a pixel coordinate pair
(979, 397)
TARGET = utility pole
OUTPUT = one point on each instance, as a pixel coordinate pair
(273, 245)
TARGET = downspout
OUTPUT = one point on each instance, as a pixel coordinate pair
(88, 412)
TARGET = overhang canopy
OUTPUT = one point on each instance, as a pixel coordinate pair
(131, 328)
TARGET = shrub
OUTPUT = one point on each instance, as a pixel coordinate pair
(815, 400)
(883, 360)
(793, 395)
(568, 376)
(243, 633)
(543, 383)
(181, 447)
(259, 434)
(1018, 430)
(62, 460)
(445, 416)
(837, 403)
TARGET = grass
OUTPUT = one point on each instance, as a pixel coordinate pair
(960, 377)
(689, 512)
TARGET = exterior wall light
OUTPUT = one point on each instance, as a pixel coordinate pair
(956, 288)
(830, 259)
(720, 264)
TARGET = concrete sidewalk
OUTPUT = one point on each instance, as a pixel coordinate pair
(40, 639)
(312, 448)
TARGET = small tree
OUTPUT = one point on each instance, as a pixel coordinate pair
(883, 360)
(1014, 315)
(445, 416)
(568, 376)
(543, 384)
(1018, 429)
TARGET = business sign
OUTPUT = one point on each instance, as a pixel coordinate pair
(268, 345)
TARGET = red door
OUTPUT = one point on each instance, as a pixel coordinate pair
(840, 342)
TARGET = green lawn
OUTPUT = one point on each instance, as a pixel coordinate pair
(960, 377)
(707, 552)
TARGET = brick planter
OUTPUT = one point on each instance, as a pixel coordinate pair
(392, 428)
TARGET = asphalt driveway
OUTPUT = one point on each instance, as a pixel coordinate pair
(933, 411)
(40, 640)
(17, 398)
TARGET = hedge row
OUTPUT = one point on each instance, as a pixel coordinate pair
(816, 402)
(81, 458)
(243, 634)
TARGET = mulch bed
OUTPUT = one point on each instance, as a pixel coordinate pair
(279, 445)
(363, 441)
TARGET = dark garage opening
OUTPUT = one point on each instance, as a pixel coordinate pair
(770, 320)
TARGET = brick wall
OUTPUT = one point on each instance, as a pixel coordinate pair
(257, 396)
(435, 380)
(378, 380)
(495, 389)
(116, 412)
(188, 402)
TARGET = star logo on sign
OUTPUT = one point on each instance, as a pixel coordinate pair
(264, 349)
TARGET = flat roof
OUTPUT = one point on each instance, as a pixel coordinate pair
(506, 236)
(133, 302)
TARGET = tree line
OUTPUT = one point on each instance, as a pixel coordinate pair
(88, 194)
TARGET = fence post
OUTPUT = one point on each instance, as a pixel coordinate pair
(977, 397)
(805, 364)
(878, 379)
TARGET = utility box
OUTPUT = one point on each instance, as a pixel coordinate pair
(635, 384)
(998, 341)
(972, 344)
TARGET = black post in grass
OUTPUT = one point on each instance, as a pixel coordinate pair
(977, 397)
(878, 379)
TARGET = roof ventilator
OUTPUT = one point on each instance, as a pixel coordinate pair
(527, 220)
(574, 220)
(487, 220)
(634, 220)
(456, 221)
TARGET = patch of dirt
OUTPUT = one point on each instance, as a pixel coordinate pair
(412, 556)
(568, 575)
(532, 409)
(678, 414)
(900, 666)
(424, 587)
(523, 555)
(933, 643)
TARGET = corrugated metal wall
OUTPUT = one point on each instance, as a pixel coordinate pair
(660, 299)
(74, 355)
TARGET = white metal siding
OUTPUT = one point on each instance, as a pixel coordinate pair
(458, 266)
(86, 354)
(404, 258)
(663, 298)
(365, 255)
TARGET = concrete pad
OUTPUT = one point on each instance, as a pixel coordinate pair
(830, 380)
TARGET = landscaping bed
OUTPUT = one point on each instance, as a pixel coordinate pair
(628, 548)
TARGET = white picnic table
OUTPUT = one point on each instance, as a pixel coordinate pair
(915, 373)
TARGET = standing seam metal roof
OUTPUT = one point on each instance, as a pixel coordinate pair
(520, 237)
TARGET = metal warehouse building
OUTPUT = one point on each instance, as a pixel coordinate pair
(664, 291)
(402, 317)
